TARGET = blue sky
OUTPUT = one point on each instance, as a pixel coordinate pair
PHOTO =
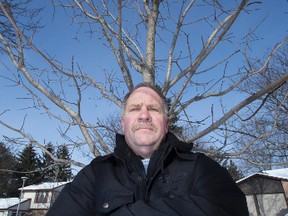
(58, 39)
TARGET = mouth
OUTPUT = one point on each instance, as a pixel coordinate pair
(144, 128)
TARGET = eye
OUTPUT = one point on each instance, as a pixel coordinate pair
(133, 109)
(154, 109)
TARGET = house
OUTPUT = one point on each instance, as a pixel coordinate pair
(9, 206)
(42, 196)
(266, 192)
(36, 199)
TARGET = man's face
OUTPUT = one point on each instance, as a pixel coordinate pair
(144, 122)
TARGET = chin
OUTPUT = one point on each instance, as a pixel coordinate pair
(145, 143)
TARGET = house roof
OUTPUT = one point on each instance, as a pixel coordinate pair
(6, 203)
(44, 186)
(281, 174)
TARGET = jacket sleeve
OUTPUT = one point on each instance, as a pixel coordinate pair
(213, 193)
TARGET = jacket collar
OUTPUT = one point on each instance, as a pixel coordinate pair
(159, 159)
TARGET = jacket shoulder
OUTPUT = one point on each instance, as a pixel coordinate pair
(102, 158)
(190, 155)
(96, 164)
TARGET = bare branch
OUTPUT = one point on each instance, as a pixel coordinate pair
(238, 107)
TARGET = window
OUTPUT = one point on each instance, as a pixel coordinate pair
(41, 197)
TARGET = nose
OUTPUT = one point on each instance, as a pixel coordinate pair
(144, 114)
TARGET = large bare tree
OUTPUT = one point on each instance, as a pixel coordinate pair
(189, 48)
(265, 124)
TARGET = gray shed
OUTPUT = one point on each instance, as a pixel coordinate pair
(266, 192)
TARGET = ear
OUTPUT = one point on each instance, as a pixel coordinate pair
(122, 124)
(167, 124)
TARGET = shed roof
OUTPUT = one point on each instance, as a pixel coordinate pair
(281, 174)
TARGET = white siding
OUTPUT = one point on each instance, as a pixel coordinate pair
(251, 205)
(34, 205)
(271, 204)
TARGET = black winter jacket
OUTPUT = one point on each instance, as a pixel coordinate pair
(178, 182)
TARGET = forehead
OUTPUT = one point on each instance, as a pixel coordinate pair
(144, 94)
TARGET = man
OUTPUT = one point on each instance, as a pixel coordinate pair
(150, 172)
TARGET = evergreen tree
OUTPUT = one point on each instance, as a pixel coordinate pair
(29, 165)
(226, 163)
(233, 169)
(9, 183)
(48, 165)
(64, 172)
